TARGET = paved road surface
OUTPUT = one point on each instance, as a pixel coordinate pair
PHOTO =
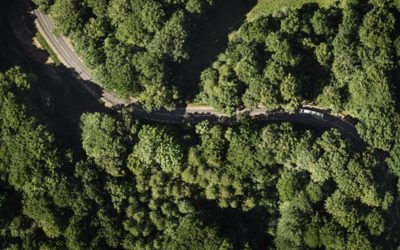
(69, 58)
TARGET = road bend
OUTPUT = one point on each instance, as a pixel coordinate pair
(308, 116)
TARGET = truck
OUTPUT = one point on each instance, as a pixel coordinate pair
(311, 112)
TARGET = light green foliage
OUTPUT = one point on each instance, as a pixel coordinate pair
(314, 192)
(375, 223)
(324, 21)
(332, 236)
(212, 143)
(67, 15)
(156, 146)
(377, 24)
(323, 54)
(195, 6)
(291, 222)
(359, 240)
(220, 94)
(43, 5)
(192, 233)
(268, 7)
(342, 209)
(103, 140)
(37, 208)
(379, 127)
(29, 163)
(397, 4)
(205, 186)
(312, 234)
(152, 16)
(339, 58)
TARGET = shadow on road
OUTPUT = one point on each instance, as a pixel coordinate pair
(57, 90)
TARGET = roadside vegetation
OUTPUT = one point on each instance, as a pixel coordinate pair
(47, 48)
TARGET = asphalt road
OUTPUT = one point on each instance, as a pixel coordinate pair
(66, 54)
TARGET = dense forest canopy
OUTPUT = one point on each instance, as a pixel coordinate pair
(204, 186)
(343, 57)
(132, 46)
(132, 184)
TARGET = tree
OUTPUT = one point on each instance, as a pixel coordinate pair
(67, 15)
(324, 21)
(44, 5)
(332, 236)
(324, 55)
(358, 240)
(291, 224)
(194, 234)
(290, 89)
(195, 6)
(376, 27)
(375, 222)
(152, 16)
(170, 41)
(157, 146)
(213, 143)
(288, 185)
(312, 234)
(103, 140)
(38, 209)
(342, 209)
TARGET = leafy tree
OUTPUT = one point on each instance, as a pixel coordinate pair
(332, 236)
(194, 234)
(342, 209)
(152, 16)
(43, 5)
(103, 140)
(375, 223)
(67, 15)
(170, 41)
(312, 234)
(324, 21)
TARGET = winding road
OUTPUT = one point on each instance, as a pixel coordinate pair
(304, 115)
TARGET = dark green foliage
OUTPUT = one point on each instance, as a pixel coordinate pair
(337, 58)
(134, 46)
(213, 187)
(204, 186)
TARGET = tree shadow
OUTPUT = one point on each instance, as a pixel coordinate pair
(57, 92)
(209, 39)
(244, 229)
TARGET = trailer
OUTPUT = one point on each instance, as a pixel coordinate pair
(312, 112)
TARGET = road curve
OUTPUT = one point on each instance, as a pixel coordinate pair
(304, 115)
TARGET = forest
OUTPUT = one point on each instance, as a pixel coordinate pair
(314, 55)
(344, 58)
(121, 182)
(134, 48)
(197, 186)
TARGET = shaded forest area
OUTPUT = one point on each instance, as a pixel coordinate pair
(143, 186)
